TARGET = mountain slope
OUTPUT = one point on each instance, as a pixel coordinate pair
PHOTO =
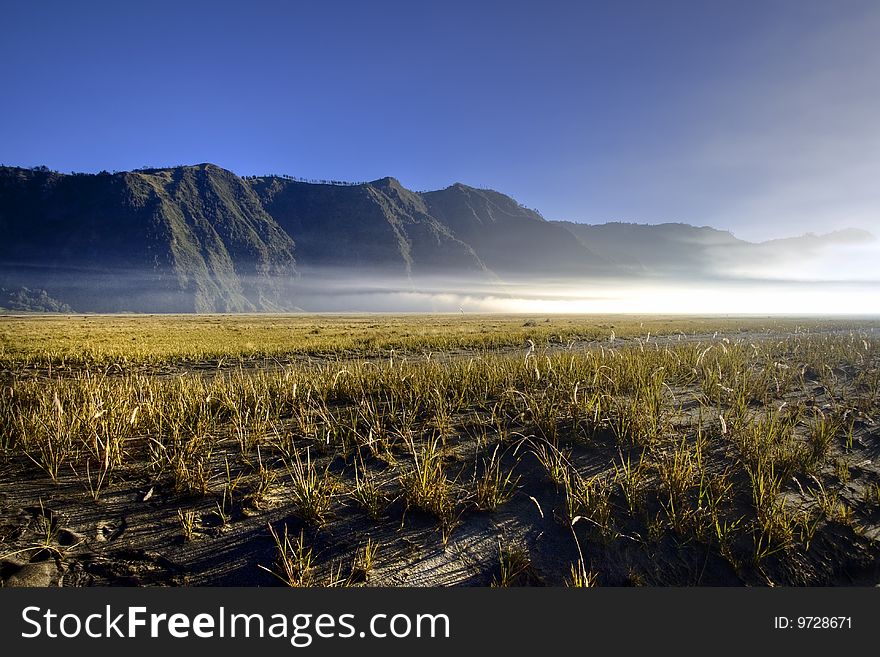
(377, 227)
(510, 239)
(183, 239)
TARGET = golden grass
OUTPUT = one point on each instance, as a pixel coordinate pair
(156, 339)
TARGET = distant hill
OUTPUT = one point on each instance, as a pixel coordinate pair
(654, 248)
(512, 240)
(202, 239)
(24, 300)
(676, 250)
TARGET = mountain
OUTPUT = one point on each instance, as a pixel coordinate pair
(382, 226)
(188, 239)
(202, 239)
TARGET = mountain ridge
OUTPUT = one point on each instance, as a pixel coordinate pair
(199, 238)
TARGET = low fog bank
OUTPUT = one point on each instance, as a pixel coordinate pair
(326, 290)
(845, 255)
(714, 296)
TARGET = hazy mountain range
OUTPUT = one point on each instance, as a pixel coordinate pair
(202, 239)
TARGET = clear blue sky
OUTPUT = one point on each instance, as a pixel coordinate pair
(762, 117)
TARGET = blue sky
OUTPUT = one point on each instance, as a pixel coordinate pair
(758, 117)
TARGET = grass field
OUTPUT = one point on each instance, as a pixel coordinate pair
(439, 450)
(155, 339)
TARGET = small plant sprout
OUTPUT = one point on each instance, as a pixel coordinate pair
(494, 487)
(294, 564)
(312, 490)
(513, 565)
(187, 523)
